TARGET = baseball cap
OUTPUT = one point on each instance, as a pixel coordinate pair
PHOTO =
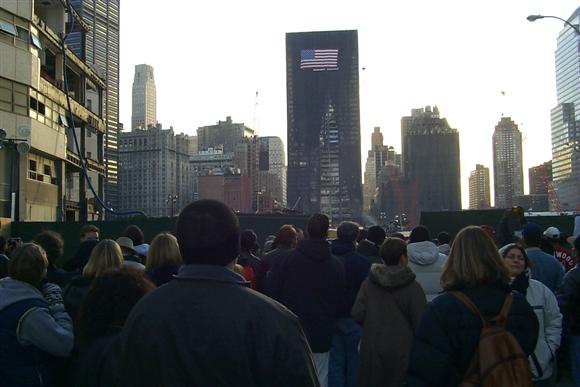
(532, 231)
(552, 233)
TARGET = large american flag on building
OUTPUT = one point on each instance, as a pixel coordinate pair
(319, 58)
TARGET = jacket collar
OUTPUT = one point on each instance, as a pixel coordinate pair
(339, 247)
(315, 249)
(533, 248)
(210, 273)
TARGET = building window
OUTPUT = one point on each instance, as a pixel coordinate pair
(22, 33)
(35, 41)
(8, 27)
(45, 175)
(63, 121)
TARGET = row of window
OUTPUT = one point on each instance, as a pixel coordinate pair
(41, 169)
(20, 99)
(20, 33)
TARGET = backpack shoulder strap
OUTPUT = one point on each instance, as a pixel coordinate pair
(470, 305)
(501, 318)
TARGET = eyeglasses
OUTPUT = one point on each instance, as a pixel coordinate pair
(514, 257)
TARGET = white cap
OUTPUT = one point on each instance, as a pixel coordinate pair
(552, 233)
(142, 249)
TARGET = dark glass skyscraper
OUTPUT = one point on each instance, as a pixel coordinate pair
(99, 47)
(431, 162)
(322, 80)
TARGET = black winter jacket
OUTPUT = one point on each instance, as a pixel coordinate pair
(97, 362)
(311, 283)
(569, 300)
(356, 270)
(75, 293)
(448, 334)
(207, 328)
(369, 250)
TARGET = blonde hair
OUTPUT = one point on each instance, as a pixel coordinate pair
(164, 250)
(473, 261)
(106, 255)
(28, 264)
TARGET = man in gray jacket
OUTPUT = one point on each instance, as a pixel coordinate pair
(426, 261)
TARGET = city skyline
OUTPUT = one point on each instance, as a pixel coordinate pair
(475, 78)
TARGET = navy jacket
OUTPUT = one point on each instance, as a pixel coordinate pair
(311, 284)
(356, 270)
(545, 268)
(161, 275)
(448, 334)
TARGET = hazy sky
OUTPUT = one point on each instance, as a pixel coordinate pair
(210, 60)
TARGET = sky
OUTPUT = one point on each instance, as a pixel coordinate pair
(475, 61)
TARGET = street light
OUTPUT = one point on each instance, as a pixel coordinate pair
(20, 146)
(533, 18)
(171, 199)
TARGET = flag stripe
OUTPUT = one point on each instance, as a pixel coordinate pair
(319, 58)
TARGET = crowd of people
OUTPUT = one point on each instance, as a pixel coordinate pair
(207, 305)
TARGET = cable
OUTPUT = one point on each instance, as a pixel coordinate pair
(76, 141)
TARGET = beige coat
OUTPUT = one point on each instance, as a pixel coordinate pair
(389, 305)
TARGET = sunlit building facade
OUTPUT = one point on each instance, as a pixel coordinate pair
(479, 193)
(565, 118)
(41, 177)
(144, 100)
(99, 46)
(508, 168)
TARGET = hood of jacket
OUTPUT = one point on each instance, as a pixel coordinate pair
(391, 276)
(316, 250)
(444, 248)
(368, 248)
(423, 253)
(12, 291)
(339, 247)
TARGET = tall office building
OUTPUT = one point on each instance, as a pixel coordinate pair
(379, 157)
(225, 135)
(144, 107)
(431, 161)
(508, 170)
(565, 118)
(323, 112)
(42, 178)
(542, 192)
(155, 174)
(99, 48)
(273, 162)
(540, 178)
(479, 194)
